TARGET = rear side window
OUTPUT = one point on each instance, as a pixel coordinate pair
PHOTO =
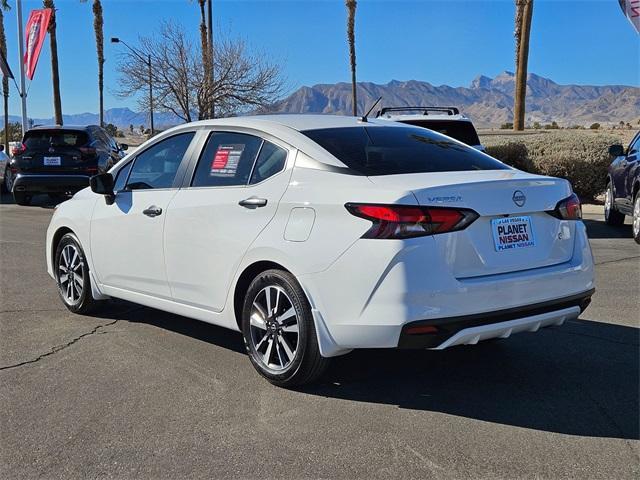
(270, 161)
(157, 166)
(462, 131)
(226, 160)
(37, 139)
(391, 150)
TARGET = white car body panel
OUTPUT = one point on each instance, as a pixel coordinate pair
(362, 292)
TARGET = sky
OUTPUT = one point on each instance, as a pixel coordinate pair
(587, 42)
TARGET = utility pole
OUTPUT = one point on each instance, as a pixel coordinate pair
(23, 90)
(210, 72)
(521, 68)
(150, 94)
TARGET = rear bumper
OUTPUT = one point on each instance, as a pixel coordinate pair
(42, 183)
(440, 333)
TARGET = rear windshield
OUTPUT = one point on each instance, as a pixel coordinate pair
(463, 131)
(390, 150)
(54, 138)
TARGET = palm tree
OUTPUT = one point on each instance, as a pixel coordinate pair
(55, 77)
(351, 38)
(524, 12)
(206, 58)
(4, 6)
(98, 23)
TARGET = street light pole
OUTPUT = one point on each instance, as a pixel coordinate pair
(148, 62)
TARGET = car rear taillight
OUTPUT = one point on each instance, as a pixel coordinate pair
(89, 151)
(92, 170)
(401, 221)
(18, 150)
(568, 209)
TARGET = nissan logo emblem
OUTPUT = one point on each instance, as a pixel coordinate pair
(519, 198)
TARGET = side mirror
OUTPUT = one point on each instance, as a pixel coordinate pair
(123, 146)
(102, 184)
(616, 150)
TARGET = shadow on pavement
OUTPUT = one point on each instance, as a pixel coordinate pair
(599, 229)
(578, 379)
(42, 201)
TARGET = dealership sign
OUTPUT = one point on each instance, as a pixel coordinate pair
(37, 26)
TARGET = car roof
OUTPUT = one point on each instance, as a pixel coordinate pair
(83, 128)
(299, 122)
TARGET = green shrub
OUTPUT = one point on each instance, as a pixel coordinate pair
(580, 157)
(507, 126)
(595, 126)
(514, 154)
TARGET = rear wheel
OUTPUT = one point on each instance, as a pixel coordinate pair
(611, 215)
(279, 333)
(22, 198)
(636, 217)
(7, 184)
(72, 275)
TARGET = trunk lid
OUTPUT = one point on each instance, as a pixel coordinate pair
(494, 195)
(56, 151)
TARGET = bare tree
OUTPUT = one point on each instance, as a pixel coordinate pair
(351, 38)
(246, 80)
(524, 12)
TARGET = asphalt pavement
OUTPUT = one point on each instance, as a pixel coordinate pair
(133, 392)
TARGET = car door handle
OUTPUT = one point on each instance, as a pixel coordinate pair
(152, 211)
(253, 202)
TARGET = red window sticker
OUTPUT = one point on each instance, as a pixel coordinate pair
(220, 159)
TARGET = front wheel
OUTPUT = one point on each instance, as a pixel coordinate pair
(22, 198)
(72, 275)
(636, 218)
(611, 215)
(279, 333)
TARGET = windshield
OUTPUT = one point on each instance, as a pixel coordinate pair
(390, 150)
(463, 131)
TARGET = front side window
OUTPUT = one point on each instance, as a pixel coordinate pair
(121, 177)
(391, 150)
(157, 166)
(226, 160)
(271, 160)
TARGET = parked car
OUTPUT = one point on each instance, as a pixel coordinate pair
(622, 196)
(59, 160)
(314, 235)
(445, 120)
(4, 168)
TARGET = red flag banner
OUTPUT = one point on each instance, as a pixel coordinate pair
(631, 9)
(37, 26)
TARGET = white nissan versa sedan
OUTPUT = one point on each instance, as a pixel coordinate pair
(315, 235)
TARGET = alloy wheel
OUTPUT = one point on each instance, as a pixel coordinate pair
(274, 328)
(71, 274)
(8, 180)
(636, 216)
(608, 197)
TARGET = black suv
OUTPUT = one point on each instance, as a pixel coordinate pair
(59, 160)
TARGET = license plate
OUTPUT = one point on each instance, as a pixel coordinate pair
(511, 233)
(52, 161)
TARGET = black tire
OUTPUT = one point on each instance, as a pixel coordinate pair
(307, 365)
(636, 218)
(612, 216)
(77, 297)
(4, 187)
(22, 198)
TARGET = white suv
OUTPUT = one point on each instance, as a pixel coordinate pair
(446, 120)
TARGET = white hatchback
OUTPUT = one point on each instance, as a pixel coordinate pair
(315, 235)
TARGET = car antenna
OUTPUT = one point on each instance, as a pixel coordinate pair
(364, 117)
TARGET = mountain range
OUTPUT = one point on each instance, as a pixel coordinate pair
(487, 101)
